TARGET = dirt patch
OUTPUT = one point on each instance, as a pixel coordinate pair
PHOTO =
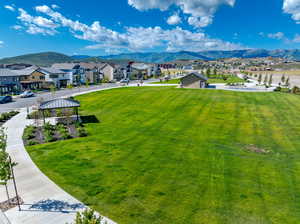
(13, 202)
(256, 149)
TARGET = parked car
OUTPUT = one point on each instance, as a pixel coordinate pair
(125, 81)
(5, 99)
(27, 94)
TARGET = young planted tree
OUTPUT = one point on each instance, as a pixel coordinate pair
(215, 72)
(287, 82)
(5, 163)
(208, 73)
(270, 80)
(259, 78)
(87, 217)
(266, 79)
(282, 79)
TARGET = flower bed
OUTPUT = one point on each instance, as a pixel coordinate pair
(34, 135)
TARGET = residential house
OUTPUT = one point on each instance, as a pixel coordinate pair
(9, 81)
(194, 80)
(113, 72)
(54, 77)
(92, 71)
(74, 72)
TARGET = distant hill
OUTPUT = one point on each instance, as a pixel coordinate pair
(158, 57)
(41, 59)
(208, 55)
(48, 58)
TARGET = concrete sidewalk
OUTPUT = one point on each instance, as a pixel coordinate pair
(44, 201)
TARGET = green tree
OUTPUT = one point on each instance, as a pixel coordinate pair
(287, 82)
(259, 78)
(215, 72)
(5, 163)
(266, 79)
(208, 72)
(282, 79)
(87, 217)
(270, 80)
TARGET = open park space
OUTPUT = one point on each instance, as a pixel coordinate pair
(170, 155)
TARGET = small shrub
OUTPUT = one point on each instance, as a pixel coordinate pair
(32, 142)
(87, 217)
(82, 132)
(29, 132)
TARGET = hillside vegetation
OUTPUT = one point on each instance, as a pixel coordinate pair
(40, 59)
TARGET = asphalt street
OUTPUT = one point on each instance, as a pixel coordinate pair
(28, 102)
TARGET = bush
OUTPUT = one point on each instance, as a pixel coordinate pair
(63, 131)
(82, 132)
(87, 217)
(48, 136)
(6, 116)
(29, 132)
(32, 142)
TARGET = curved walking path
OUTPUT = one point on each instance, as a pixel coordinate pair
(44, 201)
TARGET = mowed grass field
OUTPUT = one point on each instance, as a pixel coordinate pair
(171, 156)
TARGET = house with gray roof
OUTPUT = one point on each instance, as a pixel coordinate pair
(9, 81)
(194, 80)
(75, 73)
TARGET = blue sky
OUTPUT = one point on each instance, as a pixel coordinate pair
(110, 27)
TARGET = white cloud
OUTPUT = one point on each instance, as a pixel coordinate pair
(17, 27)
(10, 7)
(277, 36)
(1, 43)
(37, 24)
(296, 39)
(53, 6)
(174, 19)
(201, 11)
(292, 7)
(132, 39)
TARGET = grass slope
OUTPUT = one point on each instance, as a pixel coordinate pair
(168, 155)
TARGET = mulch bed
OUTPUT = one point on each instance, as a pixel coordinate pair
(38, 135)
(12, 203)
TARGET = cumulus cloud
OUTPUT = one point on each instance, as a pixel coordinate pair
(277, 36)
(37, 24)
(10, 7)
(17, 27)
(132, 39)
(201, 11)
(174, 19)
(53, 6)
(292, 7)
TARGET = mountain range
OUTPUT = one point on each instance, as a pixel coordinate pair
(48, 58)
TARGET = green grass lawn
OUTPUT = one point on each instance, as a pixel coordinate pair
(163, 155)
(231, 79)
(171, 81)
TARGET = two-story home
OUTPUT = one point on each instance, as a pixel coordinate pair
(74, 72)
(92, 71)
(54, 77)
(9, 81)
(113, 72)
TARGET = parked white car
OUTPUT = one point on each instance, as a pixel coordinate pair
(27, 94)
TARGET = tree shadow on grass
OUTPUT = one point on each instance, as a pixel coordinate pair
(55, 206)
(89, 119)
